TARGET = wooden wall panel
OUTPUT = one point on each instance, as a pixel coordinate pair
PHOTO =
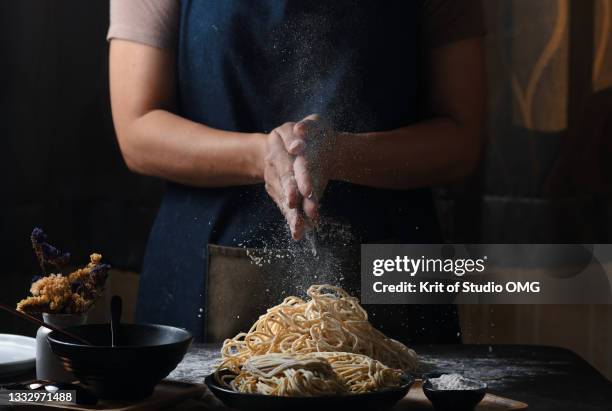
(538, 66)
(602, 63)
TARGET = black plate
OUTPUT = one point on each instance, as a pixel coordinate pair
(379, 400)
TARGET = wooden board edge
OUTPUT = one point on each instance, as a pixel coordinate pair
(516, 405)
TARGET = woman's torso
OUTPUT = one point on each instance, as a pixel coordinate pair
(251, 66)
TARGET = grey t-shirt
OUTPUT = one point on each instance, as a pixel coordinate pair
(156, 22)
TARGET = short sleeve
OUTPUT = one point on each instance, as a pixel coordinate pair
(151, 22)
(447, 21)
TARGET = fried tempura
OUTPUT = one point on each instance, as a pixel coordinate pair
(70, 294)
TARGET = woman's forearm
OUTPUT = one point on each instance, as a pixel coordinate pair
(162, 144)
(440, 150)
(156, 142)
(432, 152)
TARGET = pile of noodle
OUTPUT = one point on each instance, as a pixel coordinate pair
(285, 351)
(286, 375)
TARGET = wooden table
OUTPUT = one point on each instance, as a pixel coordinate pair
(547, 378)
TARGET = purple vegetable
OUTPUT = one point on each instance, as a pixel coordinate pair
(46, 254)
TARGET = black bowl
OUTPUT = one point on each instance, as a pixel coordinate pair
(453, 400)
(147, 354)
(378, 400)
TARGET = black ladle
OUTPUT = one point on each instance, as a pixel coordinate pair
(41, 323)
(116, 308)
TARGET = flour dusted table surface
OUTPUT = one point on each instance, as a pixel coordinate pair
(547, 378)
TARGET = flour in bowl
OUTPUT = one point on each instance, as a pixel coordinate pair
(453, 382)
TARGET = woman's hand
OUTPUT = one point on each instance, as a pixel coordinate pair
(279, 177)
(297, 168)
(315, 148)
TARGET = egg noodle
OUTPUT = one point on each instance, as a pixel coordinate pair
(305, 348)
(286, 375)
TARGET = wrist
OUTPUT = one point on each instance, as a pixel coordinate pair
(344, 149)
(258, 155)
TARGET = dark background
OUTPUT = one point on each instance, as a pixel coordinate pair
(60, 167)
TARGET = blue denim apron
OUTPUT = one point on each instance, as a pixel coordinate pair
(250, 66)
